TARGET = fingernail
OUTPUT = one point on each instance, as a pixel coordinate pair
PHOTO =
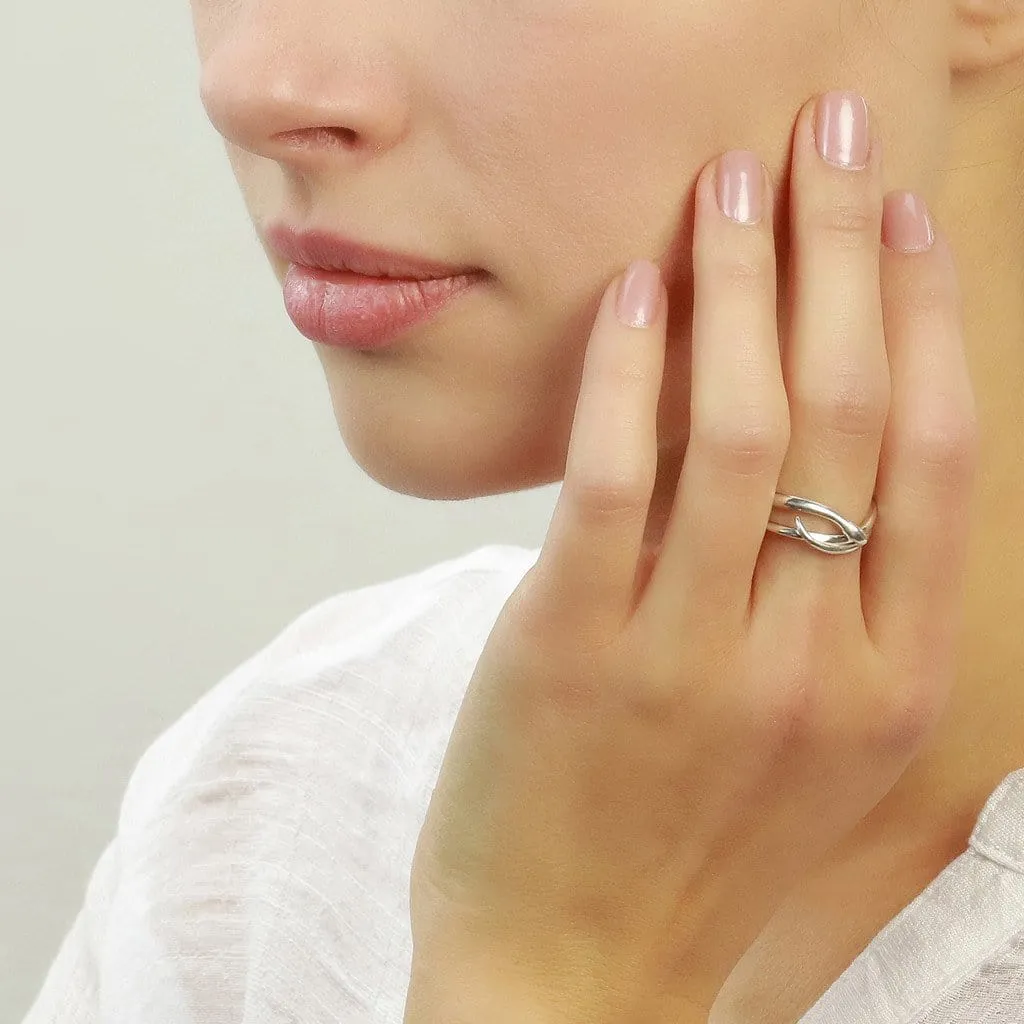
(841, 129)
(739, 180)
(906, 223)
(639, 295)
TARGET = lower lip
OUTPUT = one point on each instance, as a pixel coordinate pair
(351, 311)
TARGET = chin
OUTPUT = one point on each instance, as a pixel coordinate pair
(425, 439)
(442, 468)
(439, 478)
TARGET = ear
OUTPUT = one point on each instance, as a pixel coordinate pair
(986, 34)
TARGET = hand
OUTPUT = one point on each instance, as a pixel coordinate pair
(638, 776)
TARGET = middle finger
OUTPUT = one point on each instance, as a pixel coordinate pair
(833, 356)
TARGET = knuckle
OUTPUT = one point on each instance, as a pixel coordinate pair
(743, 275)
(848, 223)
(612, 499)
(625, 375)
(903, 716)
(924, 299)
(948, 442)
(745, 444)
(787, 711)
(751, 268)
(856, 406)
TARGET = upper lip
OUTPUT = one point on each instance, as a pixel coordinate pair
(326, 251)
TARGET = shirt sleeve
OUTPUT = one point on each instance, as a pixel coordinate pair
(259, 872)
(70, 991)
(260, 869)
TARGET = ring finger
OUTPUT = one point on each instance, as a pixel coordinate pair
(833, 355)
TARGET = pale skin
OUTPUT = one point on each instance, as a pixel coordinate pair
(464, 108)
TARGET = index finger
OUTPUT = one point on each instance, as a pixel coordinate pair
(585, 572)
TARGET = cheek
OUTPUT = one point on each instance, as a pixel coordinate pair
(586, 124)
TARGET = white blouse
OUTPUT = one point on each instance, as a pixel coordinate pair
(260, 870)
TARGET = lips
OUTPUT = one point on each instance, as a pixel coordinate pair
(348, 311)
(325, 251)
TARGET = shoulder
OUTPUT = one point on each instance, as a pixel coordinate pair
(999, 832)
(360, 661)
(266, 838)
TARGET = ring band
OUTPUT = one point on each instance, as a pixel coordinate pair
(852, 538)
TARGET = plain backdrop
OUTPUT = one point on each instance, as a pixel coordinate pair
(173, 487)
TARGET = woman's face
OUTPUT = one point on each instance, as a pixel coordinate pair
(550, 143)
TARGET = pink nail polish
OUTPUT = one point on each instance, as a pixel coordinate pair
(740, 182)
(906, 223)
(639, 295)
(841, 129)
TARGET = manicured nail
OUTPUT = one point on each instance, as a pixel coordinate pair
(841, 130)
(906, 223)
(639, 295)
(740, 186)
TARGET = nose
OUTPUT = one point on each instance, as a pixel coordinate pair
(303, 90)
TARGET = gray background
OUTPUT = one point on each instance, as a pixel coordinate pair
(174, 490)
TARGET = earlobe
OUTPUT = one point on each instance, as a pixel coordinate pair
(986, 34)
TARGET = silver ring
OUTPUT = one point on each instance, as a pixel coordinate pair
(852, 538)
